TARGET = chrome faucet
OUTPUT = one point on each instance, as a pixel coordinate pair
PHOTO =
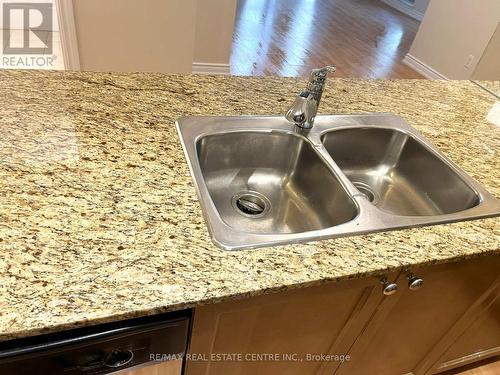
(303, 111)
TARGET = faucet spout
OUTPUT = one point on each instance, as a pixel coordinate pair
(303, 111)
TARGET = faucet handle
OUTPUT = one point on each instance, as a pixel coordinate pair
(303, 110)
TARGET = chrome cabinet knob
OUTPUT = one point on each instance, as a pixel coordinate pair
(414, 282)
(389, 288)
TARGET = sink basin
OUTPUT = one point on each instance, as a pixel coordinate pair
(261, 182)
(271, 183)
(397, 173)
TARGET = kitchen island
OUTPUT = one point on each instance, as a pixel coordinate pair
(99, 218)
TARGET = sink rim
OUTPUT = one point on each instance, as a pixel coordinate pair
(369, 218)
(488, 206)
(223, 235)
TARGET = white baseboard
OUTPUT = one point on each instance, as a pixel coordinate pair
(405, 8)
(422, 68)
(210, 68)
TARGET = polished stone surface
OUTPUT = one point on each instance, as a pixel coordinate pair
(491, 86)
(99, 219)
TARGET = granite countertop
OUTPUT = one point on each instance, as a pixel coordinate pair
(492, 86)
(99, 218)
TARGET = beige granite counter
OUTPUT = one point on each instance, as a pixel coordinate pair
(491, 86)
(99, 218)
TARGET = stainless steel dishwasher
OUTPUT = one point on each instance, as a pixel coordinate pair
(101, 349)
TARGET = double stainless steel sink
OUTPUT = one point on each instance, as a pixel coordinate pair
(262, 182)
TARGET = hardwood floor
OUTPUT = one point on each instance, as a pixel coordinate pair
(489, 367)
(174, 367)
(362, 38)
(165, 368)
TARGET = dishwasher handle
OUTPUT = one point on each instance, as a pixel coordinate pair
(116, 359)
(119, 358)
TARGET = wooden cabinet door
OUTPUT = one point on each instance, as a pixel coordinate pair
(407, 325)
(287, 325)
(473, 339)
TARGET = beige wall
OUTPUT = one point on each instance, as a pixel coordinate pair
(214, 31)
(451, 31)
(488, 67)
(136, 35)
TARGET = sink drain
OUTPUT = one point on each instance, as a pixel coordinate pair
(251, 204)
(366, 191)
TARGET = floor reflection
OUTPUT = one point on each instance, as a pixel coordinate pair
(363, 38)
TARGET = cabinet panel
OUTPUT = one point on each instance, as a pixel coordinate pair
(407, 325)
(316, 320)
(480, 340)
